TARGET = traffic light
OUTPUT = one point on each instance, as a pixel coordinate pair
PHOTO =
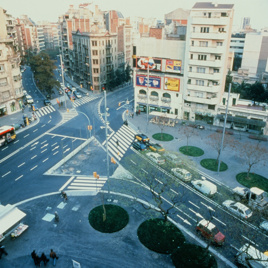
(89, 127)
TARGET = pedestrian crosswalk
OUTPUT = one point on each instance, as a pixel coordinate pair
(45, 110)
(68, 115)
(84, 100)
(119, 141)
(87, 183)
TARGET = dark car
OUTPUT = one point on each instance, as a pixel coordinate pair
(139, 146)
(71, 95)
(47, 102)
(48, 96)
(142, 137)
(155, 147)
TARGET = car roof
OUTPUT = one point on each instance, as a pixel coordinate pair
(241, 206)
(209, 225)
(182, 170)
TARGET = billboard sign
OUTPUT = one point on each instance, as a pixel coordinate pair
(172, 84)
(173, 66)
(154, 82)
(143, 63)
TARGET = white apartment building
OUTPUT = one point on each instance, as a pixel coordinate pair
(206, 59)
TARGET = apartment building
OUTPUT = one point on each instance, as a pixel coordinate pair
(125, 44)
(206, 59)
(93, 58)
(51, 34)
(237, 47)
(11, 91)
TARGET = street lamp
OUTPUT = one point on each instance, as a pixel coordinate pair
(62, 76)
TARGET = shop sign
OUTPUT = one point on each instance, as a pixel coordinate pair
(154, 82)
(143, 63)
(172, 84)
(173, 66)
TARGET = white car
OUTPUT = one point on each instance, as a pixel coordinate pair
(205, 187)
(181, 173)
(77, 94)
(155, 157)
(29, 99)
(237, 208)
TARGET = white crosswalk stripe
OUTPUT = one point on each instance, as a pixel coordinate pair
(45, 110)
(69, 115)
(124, 136)
(87, 183)
(84, 100)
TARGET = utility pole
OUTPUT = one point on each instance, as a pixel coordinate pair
(148, 77)
(62, 76)
(224, 126)
(106, 137)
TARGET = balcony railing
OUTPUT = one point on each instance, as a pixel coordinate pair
(166, 100)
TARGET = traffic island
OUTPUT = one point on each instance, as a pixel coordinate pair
(160, 236)
(212, 164)
(191, 151)
(253, 180)
(190, 255)
(163, 137)
(108, 218)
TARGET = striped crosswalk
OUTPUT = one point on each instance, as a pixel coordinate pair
(70, 114)
(87, 183)
(45, 110)
(84, 100)
(119, 142)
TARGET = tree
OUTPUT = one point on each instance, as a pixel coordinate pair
(256, 92)
(162, 121)
(111, 80)
(253, 154)
(228, 80)
(127, 73)
(215, 142)
(42, 68)
(188, 132)
(119, 77)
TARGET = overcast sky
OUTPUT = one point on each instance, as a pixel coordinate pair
(50, 10)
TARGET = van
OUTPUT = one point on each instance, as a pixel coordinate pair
(251, 257)
(205, 187)
(181, 173)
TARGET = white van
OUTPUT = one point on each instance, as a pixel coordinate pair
(181, 173)
(205, 187)
(251, 257)
(29, 99)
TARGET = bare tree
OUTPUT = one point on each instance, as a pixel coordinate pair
(162, 122)
(253, 154)
(188, 132)
(215, 142)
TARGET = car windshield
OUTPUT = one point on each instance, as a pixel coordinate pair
(188, 175)
(248, 211)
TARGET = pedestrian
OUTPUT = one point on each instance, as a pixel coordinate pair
(117, 142)
(54, 256)
(139, 111)
(2, 251)
(57, 218)
(132, 115)
(44, 258)
(36, 259)
(64, 196)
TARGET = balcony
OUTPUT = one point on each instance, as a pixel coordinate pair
(207, 63)
(210, 88)
(154, 98)
(207, 36)
(211, 101)
(205, 76)
(166, 100)
(220, 21)
(210, 50)
(142, 96)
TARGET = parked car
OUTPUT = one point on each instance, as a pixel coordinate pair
(142, 137)
(210, 232)
(181, 173)
(24, 92)
(71, 95)
(77, 94)
(29, 99)
(155, 147)
(205, 187)
(237, 208)
(48, 96)
(139, 146)
(157, 158)
(174, 158)
(47, 102)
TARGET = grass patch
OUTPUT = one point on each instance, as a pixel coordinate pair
(191, 151)
(254, 180)
(163, 137)
(190, 255)
(160, 236)
(116, 218)
(211, 164)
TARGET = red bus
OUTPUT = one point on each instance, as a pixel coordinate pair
(7, 134)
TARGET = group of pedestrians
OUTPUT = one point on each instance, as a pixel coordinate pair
(43, 258)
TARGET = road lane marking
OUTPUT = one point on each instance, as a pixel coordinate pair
(34, 167)
(250, 240)
(194, 204)
(43, 151)
(66, 183)
(21, 164)
(26, 135)
(33, 148)
(144, 171)
(53, 144)
(196, 213)
(159, 181)
(6, 174)
(55, 148)
(133, 162)
(173, 191)
(44, 146)
(219, 221)
(16, 141)
(35, 130)
(34, 157)
(19, 177)
(63, 138)
(43, 142)
(43, 126)
(45, 160)
(55, 153)
(4, 148)
(68, 149)
(65, 146)
(210, 208)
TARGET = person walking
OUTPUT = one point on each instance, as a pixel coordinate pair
(44, 259)
(57, 218)
(36, 259)
(54, 256)
(2, 251)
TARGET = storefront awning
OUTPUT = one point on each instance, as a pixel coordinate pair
(241, 120)
(171, 116)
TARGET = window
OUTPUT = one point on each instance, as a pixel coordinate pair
(3, 82)
(2, 69)
(191, 69)
(223, 14)
(216, 70)
(192, 43)
(211, 107)
(189, 81)
(223, 101)
(221, 30)
(0, 53)
(94, 43)
(204, 29)
(194, 29)
(217, 57)
(95, 52)
(219, 44)
(96, 79)
(201, 70)
(199, 82)
(16, 78)
(95, 62)
(95, 70)
(191, 56)
(203, 43)
(202, 57)
(199, 94)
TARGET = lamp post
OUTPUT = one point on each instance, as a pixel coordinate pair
(89, 126)
(62, 76)
(148, 82)
(106, 138)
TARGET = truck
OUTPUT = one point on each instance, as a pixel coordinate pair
(250, 257)
(254, 197)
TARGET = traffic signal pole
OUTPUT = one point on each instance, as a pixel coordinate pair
(106, 138)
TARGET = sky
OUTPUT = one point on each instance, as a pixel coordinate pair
(50, 10)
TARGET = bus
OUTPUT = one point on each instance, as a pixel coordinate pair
(7, 134)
